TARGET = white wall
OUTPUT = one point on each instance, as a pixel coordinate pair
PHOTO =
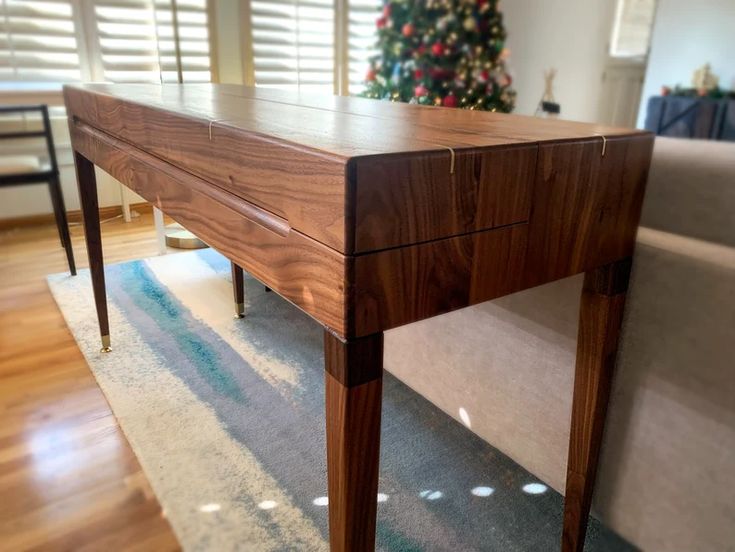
(570, 35)
(686, 35)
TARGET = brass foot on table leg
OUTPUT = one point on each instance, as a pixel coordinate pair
(105, 344)
(239, 310)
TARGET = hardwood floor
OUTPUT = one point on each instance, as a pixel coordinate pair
(68, 477)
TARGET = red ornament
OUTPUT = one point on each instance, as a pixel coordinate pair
(418, 74)
(407, 30)
(380, 23)
(370, 75)
(387, 10)
(437, 48)
(485, 76)
(420, 90)
(438, 73)
(450, 101)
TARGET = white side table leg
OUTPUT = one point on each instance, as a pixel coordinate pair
(125, 203)
(160, 230)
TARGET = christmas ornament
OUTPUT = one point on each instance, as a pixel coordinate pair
(407, 30)
(420, 90)
(437, 48)
(450, 101)
(370, 75)
(469, 24)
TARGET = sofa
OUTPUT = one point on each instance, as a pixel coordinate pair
(505, 368)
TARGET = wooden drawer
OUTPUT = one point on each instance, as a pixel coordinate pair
(408, 199)
(301, 269)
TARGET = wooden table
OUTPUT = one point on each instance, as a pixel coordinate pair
(368, 215)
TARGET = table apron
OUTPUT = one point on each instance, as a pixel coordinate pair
(304, 271)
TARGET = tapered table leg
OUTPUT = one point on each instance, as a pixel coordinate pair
(600, 317)
(238, 289)
(87, 183)
(354, 382)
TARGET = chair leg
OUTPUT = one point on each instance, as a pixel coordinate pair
(238, 288)
(62, 225)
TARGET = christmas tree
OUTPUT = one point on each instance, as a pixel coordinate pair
(442, 52)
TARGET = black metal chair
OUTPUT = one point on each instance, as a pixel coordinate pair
(48, 173)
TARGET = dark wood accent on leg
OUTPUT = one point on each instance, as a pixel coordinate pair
(87, 183)
(354, 384)
(62, 225)
(600, 317)
(238, 289)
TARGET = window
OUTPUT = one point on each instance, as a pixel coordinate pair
(183, 40)
(362, 40)
(632, 28)
(38, 41)
(104, 40)
(295, 44)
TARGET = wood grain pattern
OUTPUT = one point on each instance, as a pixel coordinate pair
(600, 318)
(508, 128)
(311, 184)
(586, 207)
(304, 271)
(416, 198)
(353, 443)
(87, 186)
(353, 363)
(403, 285)
(245, 140)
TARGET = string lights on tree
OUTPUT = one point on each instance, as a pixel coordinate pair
(442, 52)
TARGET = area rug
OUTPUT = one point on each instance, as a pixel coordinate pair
(227, 419)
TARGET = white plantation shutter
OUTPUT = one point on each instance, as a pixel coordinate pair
(183, 40)
(126, 34)
(153, 40)
(38, 41)
(293, 44)
(127, 40)
(361, 39)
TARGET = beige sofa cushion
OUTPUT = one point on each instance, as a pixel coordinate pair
(691, 189)
(19, 164)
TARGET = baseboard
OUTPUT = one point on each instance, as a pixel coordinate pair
(72, 216)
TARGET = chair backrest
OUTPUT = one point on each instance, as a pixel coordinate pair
(45, 133)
